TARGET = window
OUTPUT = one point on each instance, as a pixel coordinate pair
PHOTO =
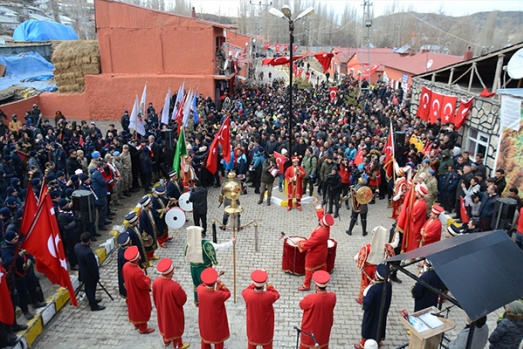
(477, 142)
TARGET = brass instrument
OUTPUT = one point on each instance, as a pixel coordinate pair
(49, 167)
(359, 197)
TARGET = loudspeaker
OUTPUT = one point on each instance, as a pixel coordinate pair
(503, 213)
(399, 140)
(168, 138)
(399, 148)
(83, 206)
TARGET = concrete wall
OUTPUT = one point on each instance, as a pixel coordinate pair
(43, 49)
(20, 107)
(484, 116)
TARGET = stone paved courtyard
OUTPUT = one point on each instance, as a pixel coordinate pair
(81, 328)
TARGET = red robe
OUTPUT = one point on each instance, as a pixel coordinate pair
(400, 189)
(318, 317)
(316, 246)
(138, 286)
(212, 315)
(418, 217)
(294, 189)
(169, 298)
(368, 271)
(431, 231)
(260, 314)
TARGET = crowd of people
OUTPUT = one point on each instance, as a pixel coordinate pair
(338, 147)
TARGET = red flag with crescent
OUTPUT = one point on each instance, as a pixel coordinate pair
(294, 48)
(43, 241)
(424, 103)
(266, 46)
(333, 92)
(463, 112)
(324, 58)
(463, 211)
(448, 108)
(277, 47)
(436, 100)
(280, 161)
(285, 47)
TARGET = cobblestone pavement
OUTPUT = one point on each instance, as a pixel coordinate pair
(81, 328)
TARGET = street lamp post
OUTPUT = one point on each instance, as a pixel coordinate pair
(286, 13)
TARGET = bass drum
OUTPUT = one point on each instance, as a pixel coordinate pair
(293, 261)
(331, 256)
(184, 202)
(175, 218)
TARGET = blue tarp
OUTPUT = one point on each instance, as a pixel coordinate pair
(33, 30)
(28, 69)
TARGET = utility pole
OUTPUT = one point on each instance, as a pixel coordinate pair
(365, 43)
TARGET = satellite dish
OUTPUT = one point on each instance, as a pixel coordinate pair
(515, 65)
(430, 62)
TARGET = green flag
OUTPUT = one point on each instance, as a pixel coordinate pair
(180, 151)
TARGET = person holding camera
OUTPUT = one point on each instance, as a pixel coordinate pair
(334, 190)
(267, 179)
(310, 164)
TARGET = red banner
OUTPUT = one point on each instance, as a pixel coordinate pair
(448, 108)
(277, 47)
(424, 104)
(436, 100)
(333, 92)
(463, 112)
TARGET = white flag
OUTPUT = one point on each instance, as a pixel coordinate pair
(136, 121)
(187, 108)
(143, 101)
(179, 99)
(165, 110)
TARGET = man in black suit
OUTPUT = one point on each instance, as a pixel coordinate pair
(88, 270)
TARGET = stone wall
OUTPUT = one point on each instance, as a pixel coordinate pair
(484, 116)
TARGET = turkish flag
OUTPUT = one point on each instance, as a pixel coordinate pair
(223, 137)
(30, 209)
(294, 48)
(358, 158)
(266, 46)
(424, 103)
(463, 211)
(436, 100)
(280, 161)
(285, 47)
(448, 108)
(389, 155)
(463, 112)
(333, 92)
(324, 58)
(277, 47)
(44, 243)
(212, 158)
(179, 115)
(7, 315)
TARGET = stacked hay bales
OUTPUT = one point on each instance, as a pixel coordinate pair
(72, 61)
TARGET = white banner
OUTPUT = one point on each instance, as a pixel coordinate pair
(510, 112)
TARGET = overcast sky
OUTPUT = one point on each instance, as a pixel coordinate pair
(449, 7)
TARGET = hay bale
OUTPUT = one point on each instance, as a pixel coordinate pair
(73, 60)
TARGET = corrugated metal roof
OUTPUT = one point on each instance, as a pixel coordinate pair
(514, 92)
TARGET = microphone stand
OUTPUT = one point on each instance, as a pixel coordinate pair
(298, 331)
